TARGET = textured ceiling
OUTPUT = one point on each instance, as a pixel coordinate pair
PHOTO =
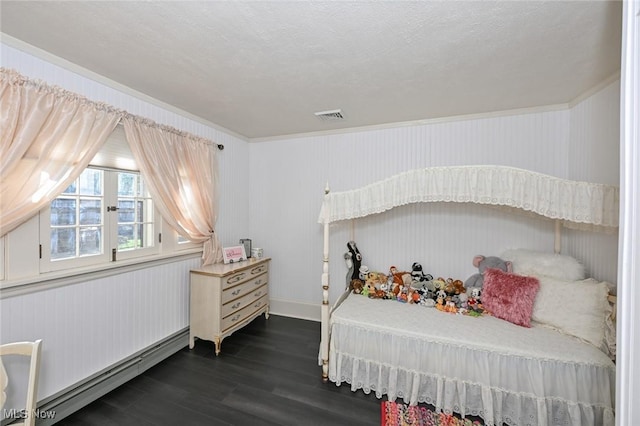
(262, 69)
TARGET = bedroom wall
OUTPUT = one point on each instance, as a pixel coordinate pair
(442, 237)
(90, 325)
(594, 155)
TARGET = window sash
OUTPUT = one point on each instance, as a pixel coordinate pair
(105, 230)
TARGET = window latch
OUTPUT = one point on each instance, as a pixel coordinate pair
(112, 208)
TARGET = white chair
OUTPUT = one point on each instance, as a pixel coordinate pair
(30, 349)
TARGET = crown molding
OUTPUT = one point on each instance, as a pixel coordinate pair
(483, 115)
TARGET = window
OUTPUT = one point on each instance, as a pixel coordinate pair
(76, 220)
(105, 215)
(135, 217)
(106, 212)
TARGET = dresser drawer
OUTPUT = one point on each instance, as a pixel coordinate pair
(240, 290)
(237, 304)
(244, 313)
(226, 297)
(244, 275)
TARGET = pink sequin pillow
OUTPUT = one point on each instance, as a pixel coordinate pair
(509, 296)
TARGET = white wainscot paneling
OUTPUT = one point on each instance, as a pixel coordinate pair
(90, 326)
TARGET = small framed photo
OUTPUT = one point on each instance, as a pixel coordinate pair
(234, 254)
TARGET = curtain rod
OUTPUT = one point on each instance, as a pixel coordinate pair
(152, 123)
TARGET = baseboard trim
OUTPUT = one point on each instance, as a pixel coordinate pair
(70, 400)
(288, 308)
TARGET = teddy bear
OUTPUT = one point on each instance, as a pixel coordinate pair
(376, 279)
(453, 287)
(356, 285)
(438, 284)
(483, 263)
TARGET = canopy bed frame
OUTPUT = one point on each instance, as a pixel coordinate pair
(569, 203)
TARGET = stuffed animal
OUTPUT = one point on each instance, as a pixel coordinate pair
(356, 285)
(440, 304)
(348, 260)
(453, 287)
(483, 263)
(418, 275)
(369, 289)
(428, 302)
(355, 258)
(438, 284)
(413, 295)
(463, 300)
(396, 276)
(363, 271)
(376, 279)
(403, 296)
(473, 304)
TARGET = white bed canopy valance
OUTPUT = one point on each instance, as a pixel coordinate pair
(575, 203)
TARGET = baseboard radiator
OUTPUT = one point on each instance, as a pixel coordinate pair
(83, 393)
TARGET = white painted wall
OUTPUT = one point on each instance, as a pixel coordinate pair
(594, 155)
(444, 238)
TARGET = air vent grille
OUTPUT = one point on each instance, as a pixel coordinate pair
(333, 115)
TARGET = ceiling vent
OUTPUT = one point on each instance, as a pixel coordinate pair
(333, 115)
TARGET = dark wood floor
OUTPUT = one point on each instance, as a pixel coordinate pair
(267, 374)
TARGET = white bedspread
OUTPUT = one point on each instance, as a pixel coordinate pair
(481, 366)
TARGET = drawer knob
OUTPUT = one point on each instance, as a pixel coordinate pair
(257, 270)
(235, 305)
(236, 318)
(258, 282)
(257, 305)
(257, 293)
(236, 292)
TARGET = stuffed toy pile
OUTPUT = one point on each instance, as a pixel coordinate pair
(419, 288)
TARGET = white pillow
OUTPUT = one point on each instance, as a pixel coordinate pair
(529, 262)
(578, 308)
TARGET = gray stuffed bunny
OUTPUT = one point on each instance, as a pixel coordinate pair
(483, 263)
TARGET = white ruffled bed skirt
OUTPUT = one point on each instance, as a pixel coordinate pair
(573, 385)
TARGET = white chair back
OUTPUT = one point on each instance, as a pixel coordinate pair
(30, 349)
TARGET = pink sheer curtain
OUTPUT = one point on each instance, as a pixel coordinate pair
(182, 175)
(48, 136)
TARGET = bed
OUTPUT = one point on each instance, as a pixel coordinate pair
(557, 371)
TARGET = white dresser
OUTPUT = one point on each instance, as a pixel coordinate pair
(225, 298)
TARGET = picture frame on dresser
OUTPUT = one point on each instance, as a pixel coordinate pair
(234, 254)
